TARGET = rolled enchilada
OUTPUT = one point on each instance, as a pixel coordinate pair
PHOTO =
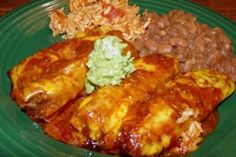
(49, 79)
(99, 116)
(171, 122)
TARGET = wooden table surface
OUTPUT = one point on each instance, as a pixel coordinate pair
(225, 7)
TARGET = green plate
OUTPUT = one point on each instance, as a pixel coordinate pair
(25, 30)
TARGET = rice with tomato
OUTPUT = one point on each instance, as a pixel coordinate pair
(104, 15)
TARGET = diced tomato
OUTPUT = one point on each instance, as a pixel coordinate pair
(113, 12)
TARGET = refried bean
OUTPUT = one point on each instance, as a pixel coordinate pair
(194, 45)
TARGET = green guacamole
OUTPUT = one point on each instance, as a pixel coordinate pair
(107, 63)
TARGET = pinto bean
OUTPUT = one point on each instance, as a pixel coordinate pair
(138, 44)
(178, 41)
(191, 27)
(200, 44)
(214, 58)
(151, 44)
(162, 33)
(194, 45)
(164, 48)
(228, 67)
(189, 64)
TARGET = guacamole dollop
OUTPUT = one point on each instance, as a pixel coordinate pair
(107, 63)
